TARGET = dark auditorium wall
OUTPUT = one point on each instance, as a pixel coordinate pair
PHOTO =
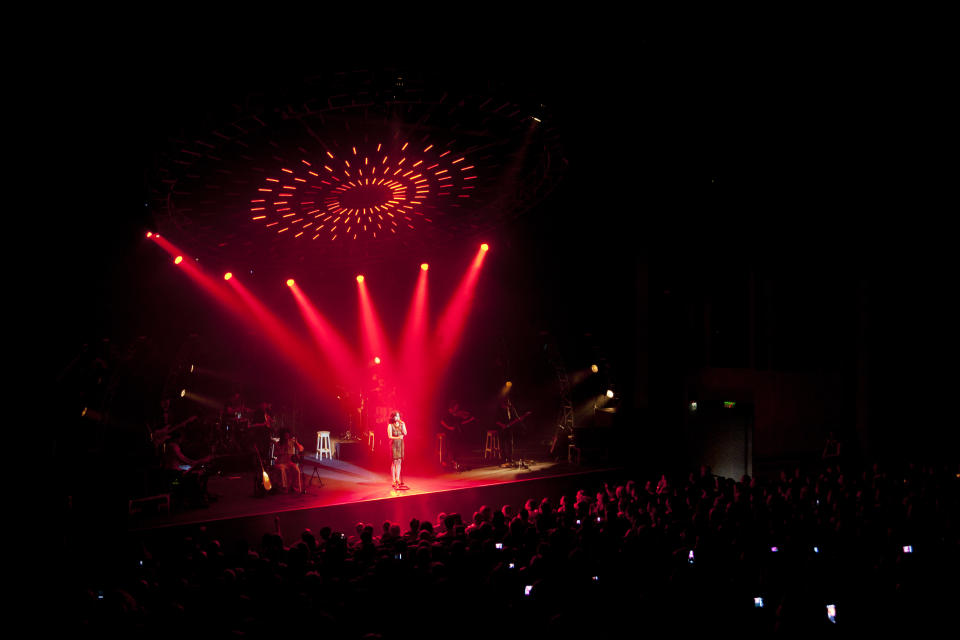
(792, 411)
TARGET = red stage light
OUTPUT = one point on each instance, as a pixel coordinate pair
(424, 266)
(149, 234)
(359, 278)
(376, 360)
(227, 275)
(290, 282)
(178, 260)
(484, 247)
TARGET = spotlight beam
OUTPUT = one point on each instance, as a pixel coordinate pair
(416, 385)
(277, 332)
(413, 342)
(375, 340)
(454, 318)
(212, 286)
(333, 347)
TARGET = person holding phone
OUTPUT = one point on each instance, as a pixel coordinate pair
(396, 432)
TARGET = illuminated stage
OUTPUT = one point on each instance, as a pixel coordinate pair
(350, 493)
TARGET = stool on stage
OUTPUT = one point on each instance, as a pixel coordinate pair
(492, 446)
(323, 445)
(371, 440)
(441, 448)
(573, 451)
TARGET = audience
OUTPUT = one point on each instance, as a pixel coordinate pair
(690, 554)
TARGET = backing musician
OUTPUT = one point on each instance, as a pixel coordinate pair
(261, 432)
(189, 473)
(452, 425)
(288, 452)
(512, 422)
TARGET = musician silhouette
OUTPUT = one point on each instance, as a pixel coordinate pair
(184, 473)
(508, 415)
(288, 451)
(453, 425)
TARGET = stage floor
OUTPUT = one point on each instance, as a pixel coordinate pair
(334, 483)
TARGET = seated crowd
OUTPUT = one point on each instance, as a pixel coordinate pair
(694, 554)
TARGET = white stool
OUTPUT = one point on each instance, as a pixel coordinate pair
(323, 445)
(371, 440)
(492, 446)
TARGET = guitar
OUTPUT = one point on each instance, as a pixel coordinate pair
(297, 457)
(463, 418)
(559, 436)
(158, 436)
(265, 481)
(504, 427)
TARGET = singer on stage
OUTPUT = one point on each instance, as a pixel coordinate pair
(396, 431)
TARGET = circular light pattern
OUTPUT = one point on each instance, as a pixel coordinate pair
(424, 266)
(178, 260)
(360, 279)
(290, 282)
(364, 193)
(227, 275)
(305, 184)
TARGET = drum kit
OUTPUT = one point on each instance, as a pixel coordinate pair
(242, 428)
(361, 413)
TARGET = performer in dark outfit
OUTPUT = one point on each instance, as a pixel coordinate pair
(396, 431)
(509, 414)
(453, 426)
(185, 473)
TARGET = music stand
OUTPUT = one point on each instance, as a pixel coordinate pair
(315, 474)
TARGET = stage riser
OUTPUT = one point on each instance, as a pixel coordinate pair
(400, 509)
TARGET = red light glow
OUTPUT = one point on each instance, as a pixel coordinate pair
(280, 336)
(374, 338)
(424, 266)
(178, 260)
(424, 361)
(454, 318)
(208, 284)
(339, 356)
